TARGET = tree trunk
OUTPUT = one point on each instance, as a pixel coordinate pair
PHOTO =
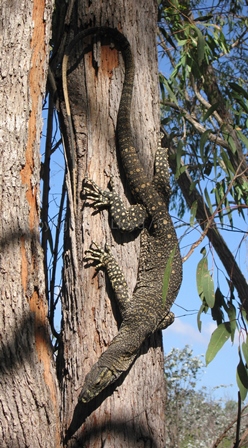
(28, 388)
(131, 413)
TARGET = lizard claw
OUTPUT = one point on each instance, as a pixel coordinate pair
(100, 198)
(96, 254)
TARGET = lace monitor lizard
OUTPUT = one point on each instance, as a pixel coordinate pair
(144, 312)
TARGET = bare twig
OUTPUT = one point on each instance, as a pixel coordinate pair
(201, 129)
(204, 102)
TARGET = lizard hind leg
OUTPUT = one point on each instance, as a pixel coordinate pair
(122, 351)
(168, 319)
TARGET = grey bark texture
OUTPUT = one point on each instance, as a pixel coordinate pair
(130, 414)
(29, 415)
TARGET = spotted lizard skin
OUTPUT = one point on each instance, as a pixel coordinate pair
(144, 312)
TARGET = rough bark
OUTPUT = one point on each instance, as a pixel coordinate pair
(28, 388)
(130, 413)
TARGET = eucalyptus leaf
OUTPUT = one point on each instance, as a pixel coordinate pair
(203, 140)
(200, 46)
(245, 350)
(201, 270)
(217, 340)
(208, 288)
(242, 378)
(243, 138)
(209, 112)
(237, 88)
(167, 275)
(193, 211)
(208, 200)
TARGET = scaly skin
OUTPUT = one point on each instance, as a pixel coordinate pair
(144, 312)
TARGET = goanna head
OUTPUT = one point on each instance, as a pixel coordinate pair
(96, 380)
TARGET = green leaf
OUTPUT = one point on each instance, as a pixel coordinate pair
(215, 162)
(244, 315)
(216, 311)
(181, 42)
(237, 88)
(227, 162)
(232, 144)
(167, 37)
(243, 138)
(161, 83)
(209, 112)
(208, 288)
(208, 200)
(202, 268)
(242, 104)
(193, 211)
(217, 340)
(193, 185)
(242, 378)
(232, 317)
(204, 281)
(199, 322)
(245, 350)
(203, 140)
(182, 169)
(203, 309)
(178, 158)
(230, 141)
(170, 92)
(200, 46)
(167, 274)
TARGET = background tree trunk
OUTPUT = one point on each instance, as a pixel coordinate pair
(29, 414)
(131, 413)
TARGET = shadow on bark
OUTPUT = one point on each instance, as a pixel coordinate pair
(133, 434)
(83, 410)
(20, 344)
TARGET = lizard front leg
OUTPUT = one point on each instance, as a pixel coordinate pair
(126, 219)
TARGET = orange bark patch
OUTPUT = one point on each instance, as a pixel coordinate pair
(37, 304)
(39, 310)
(109, 60)
(36, 74)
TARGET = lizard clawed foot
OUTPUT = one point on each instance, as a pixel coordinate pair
(100, 198)
(96, 254)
